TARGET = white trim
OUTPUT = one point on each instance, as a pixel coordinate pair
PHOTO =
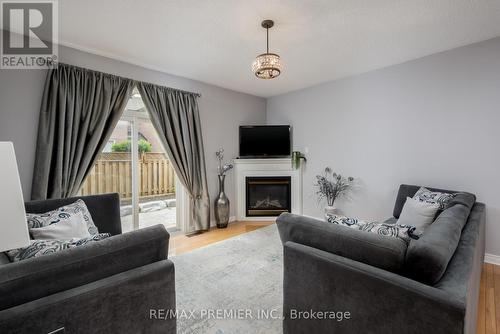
(134, 137)
(265, 167)
(491, 258)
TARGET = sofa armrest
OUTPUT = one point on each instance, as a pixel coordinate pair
(120, 303)
(376, 299)
(34, 278)
(381, 251)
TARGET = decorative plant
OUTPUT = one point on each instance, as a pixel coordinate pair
(222, 168)
(332, 186)
(126, 146)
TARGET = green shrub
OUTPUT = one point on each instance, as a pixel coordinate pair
(122, 146)
(126, 145)
(144, 146)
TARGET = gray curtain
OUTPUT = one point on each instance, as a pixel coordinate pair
(79, 111)
(176, 118)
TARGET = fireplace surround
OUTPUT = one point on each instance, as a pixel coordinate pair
(264, 170)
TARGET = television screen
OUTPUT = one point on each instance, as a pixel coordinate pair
(265, 141)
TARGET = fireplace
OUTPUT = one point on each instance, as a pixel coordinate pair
(268, 195)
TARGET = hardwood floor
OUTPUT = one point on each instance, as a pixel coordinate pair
(182, 244)
(488, 320)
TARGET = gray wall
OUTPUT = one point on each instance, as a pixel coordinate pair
(221, 110)
(433, 121)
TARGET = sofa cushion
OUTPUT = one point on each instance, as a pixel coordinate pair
(4, 259)
(427, 258)
(377, 250)
(406, 190)
(105, 210)
(73, 227)
(418, 214)
(442, 199)
(390, 220)
(61, 214)
(45, 247)
(402, 232)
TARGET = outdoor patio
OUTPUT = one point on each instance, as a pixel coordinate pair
(112, 173)
(151, 213)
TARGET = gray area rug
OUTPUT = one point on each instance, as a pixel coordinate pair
(233, 286)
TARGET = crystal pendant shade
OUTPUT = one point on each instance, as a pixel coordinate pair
(267, 66)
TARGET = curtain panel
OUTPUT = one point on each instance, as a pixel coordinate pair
(175, 116)
(79, 110)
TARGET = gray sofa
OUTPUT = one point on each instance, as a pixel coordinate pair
(430, 285)
(108, 286)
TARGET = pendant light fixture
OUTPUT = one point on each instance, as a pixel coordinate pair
(267, 65)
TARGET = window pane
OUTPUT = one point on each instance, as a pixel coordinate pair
(112, 172)
(156, 181)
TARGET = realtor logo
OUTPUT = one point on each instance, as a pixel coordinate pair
(29, 34)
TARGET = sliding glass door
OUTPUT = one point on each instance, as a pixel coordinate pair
(135, 165)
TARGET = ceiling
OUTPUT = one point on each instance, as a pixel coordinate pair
(319, 40)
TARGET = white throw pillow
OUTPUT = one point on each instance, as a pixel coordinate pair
(72, 227)
(418, 214)
(37, 220)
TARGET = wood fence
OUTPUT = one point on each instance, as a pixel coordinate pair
(113, 173)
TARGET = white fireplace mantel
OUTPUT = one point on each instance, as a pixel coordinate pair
(266, 167)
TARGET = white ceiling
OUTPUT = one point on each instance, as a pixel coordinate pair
(319, 40)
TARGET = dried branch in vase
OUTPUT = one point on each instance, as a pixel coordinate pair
(222, 168)
(332, 186)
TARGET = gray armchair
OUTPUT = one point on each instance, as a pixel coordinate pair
(331, 268)
(109, 286)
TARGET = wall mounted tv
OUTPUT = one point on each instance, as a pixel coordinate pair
(265, 141)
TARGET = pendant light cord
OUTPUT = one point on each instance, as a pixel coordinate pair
(267, 39)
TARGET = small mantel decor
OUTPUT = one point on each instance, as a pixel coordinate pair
(296, 159)
(222, 202)
(332, 186)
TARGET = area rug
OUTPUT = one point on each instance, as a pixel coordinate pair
(233, 286)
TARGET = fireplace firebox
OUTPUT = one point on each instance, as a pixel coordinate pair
(268, 195)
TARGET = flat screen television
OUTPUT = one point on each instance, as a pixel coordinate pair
(265, 141)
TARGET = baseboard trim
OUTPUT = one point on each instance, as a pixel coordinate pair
(493, 259)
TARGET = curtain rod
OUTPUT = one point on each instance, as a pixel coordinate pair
(134, 80)
(169, 88)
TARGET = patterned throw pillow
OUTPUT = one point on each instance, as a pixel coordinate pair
(73, 227)
(434, 197)
(403, 232)
(37, 220)
(43, 247)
